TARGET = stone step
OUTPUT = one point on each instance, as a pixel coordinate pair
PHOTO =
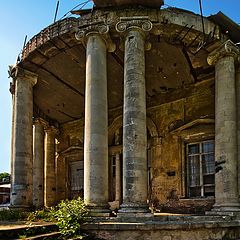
(14, 230)
(192, 218)
(143, 217)
(49, 236)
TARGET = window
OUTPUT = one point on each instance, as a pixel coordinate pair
(201, 169)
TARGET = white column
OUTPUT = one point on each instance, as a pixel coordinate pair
(49, 167)
(38, 162)
(96, 123)
(22, 152)
(118, 185)
(98, 42)
(135, 180)
(226, 177)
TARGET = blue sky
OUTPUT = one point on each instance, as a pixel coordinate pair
(27, 17)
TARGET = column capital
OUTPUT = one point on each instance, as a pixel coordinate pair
(51, 129)
(16, 72)
(38, 120)
(141, 24)
(238, 63)
(101, 29)
(226, 49)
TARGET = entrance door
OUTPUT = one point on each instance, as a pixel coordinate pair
(76, 179)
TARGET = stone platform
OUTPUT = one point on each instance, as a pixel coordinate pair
(166, 227)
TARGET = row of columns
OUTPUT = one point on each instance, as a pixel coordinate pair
(33, 148)
(134, 123)
(134, 117)
(134, 126)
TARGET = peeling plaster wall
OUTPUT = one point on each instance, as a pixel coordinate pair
(167, 154)
(168, 167)
(69, 149)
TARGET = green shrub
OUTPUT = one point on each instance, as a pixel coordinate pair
(44, 214)
(70, 214)
(12, 215)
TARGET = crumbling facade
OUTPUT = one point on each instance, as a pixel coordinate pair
(132, 107)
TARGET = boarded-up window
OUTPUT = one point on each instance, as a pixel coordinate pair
(201, 169)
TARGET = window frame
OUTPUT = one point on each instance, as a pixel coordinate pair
(201, 174)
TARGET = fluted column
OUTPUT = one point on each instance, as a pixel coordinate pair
(38, 162)
(226, 177)
(135, 183)
(49, 167)
(238, 117)
(22, 154)
(96, 118)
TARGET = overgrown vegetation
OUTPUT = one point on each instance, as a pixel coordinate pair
(69, 216)
(12, 215)
(45, 214)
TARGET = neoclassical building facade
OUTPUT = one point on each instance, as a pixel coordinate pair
(129, 108)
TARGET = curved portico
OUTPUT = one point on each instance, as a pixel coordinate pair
(137, 65)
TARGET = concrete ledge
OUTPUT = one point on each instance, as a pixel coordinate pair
(191, 228)
(159, 225)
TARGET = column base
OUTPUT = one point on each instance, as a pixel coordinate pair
(229, 209)
(134, 208)
(101, 210)
(21, 207)
(134, 212)
(232, 207)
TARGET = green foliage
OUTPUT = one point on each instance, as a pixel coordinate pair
(22, 237)
(4, 175)
(44, 214)
(70, 214)
(12, 215)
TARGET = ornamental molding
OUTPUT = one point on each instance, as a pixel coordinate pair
(138, 22)
(100, 28)
(226, 49)
(16, 72)
(52, 130)
(40, 121)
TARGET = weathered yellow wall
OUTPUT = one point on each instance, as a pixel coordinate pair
(181, 107)
(198, 103)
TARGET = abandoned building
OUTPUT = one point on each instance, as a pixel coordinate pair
(134, 106)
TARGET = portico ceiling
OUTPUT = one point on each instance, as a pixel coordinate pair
(59, 62)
